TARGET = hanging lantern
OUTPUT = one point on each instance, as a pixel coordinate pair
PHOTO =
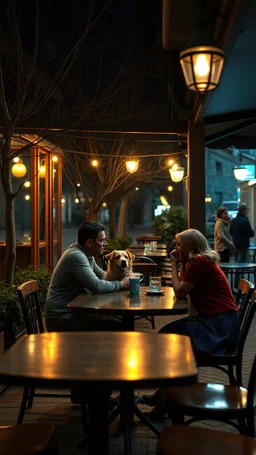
(176, 173)
(19, 169)
(132, 165)
(202, 62)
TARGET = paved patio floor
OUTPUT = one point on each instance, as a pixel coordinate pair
(66, 416)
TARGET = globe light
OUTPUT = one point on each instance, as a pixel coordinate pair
(240, 172)
(19, 169)
(95, 163)
(27, 184)
(55, 158)
(132, 165)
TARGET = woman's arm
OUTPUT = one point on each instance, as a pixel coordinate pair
(181, 288)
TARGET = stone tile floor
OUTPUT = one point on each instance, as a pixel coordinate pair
(66, 416)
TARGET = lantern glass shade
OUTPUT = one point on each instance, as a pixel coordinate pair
(177, 174)
(240, 172)
(19, 170)
(202, 67)
(132, 165)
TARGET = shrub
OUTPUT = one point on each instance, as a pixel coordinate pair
(119, 243)
(10, 310)
(170, 222)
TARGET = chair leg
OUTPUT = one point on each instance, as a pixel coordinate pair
(153, 322)
(250, 425)
(232, 378)
(178, 417)
(31, 397)
(23, 405)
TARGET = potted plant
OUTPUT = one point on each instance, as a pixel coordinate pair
(170, 222)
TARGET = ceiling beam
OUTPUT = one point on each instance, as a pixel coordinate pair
(230, 117)
(171, 129)
(230, 131)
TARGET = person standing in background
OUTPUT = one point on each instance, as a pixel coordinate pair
(241, 232)
(223, 243)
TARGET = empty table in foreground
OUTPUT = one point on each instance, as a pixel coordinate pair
(101, 361)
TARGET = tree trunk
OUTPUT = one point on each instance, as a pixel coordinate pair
(123, 216)
(10, 248)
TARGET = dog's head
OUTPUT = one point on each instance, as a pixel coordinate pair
(120, 260)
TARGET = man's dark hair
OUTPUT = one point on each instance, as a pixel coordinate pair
(89, 230)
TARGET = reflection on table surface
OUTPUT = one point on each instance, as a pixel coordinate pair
(122, 301)
(67, 358)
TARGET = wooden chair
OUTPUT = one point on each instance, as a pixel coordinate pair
(229, 361)
(29, 439)
(29, 299)
(244, 294)
(180, 440)
(217, 401)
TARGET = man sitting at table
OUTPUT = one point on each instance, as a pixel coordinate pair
(75, 273)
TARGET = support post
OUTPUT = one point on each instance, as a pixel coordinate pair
(196, 176)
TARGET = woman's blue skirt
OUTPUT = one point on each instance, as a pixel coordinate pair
(216, 334)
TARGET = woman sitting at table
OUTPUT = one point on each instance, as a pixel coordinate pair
(215, 329)
(223, 243)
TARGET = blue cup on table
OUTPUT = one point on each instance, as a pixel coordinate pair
(135, 279)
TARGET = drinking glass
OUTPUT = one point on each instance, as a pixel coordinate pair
(155, 284)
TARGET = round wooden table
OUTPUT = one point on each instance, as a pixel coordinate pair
(101, 361)
(121, 303)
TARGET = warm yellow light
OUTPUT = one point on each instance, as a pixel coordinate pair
(132, 165)
(176, 173)
(95, 163)
(170, 188)
(202, 67)
(76, 200)
(163, 200)
(104, 204)
(55, 158)
(208, 199)
(136, 189)
(78, 184)
(27, 197)
(54, 170)
(42, 170)
(63, 201)
(170, 162)
(16, 159)
(27, 184)
(19, 170)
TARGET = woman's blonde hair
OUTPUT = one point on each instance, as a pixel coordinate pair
(195, 244)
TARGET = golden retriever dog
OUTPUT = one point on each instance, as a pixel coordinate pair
(119, 264)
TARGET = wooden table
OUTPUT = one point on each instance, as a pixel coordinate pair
(101, 361)
(121, 303)
(238, 269)
(139, 246)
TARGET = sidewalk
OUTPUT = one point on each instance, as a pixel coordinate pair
(67, 419)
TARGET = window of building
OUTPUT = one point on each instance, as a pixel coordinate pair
(219, 168)
(218, 198)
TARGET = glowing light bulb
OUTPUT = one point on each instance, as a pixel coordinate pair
(95, 163)
(55, 158)
(16, 159)
(202, 67)
(27, 184)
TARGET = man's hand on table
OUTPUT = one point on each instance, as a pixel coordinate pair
(125, 283)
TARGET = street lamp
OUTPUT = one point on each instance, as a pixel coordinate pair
(240, 172)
